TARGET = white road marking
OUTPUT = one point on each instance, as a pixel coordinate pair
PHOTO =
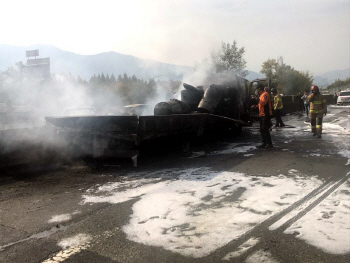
(75, 244)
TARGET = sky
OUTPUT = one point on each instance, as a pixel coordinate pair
(311, 35)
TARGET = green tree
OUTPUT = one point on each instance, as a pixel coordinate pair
(286, 79)
(113, 81)
(103, 79)
(340, 83)
(229, 59)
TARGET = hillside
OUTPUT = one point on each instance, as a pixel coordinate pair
(328, 78)
(86, 66)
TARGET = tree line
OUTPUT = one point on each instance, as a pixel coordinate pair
(283, 77)
(100, 91)
(340, 84)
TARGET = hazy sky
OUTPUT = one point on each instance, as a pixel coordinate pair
(311, 35)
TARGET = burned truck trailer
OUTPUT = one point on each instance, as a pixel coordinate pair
(220, 108)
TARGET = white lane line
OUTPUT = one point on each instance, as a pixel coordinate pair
(76, 244)
(65, 254)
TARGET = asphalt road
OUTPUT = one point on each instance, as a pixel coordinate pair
(235, 204)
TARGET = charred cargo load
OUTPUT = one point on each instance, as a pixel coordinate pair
(220, 108)
(172, 106)
(192, 96)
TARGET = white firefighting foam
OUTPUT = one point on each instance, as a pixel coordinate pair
(337, 131)
(63, 217)
(340, 136)
(202, 210)
(260, 257)
(235, 148)
(327, 226)
(75, 241)
(60, 218)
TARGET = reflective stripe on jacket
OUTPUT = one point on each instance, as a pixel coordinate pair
(277, 102)
(265, 108)
(317, 103)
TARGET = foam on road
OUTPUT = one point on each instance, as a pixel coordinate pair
(203, 210)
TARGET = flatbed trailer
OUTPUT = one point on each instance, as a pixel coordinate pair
(122, 136)
(220, 108)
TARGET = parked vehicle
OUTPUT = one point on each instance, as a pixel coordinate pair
(343, 98)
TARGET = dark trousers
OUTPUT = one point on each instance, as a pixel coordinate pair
(279, 121)
(265, 126)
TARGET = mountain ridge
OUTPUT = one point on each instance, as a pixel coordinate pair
(86, 66)
(111, 62)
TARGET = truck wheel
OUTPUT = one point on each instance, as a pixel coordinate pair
(186, 147)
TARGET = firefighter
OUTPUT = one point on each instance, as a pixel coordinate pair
(277, 106)
(318, 107)
(265, 113)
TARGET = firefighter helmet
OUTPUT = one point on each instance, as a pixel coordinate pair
(314, 88)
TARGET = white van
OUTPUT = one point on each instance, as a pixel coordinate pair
(344, 97)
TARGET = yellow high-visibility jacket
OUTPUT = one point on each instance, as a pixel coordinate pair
(317, 103)
(277, 102)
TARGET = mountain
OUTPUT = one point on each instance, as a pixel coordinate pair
(86, 66)
(328, 78)
(254, 75)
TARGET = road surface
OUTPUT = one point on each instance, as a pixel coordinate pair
(235, 204)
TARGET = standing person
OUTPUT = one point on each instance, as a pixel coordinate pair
(318, 107)
(299, 101)
(277, 106)
(306, 103)
(335, 98)
(265, 113)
